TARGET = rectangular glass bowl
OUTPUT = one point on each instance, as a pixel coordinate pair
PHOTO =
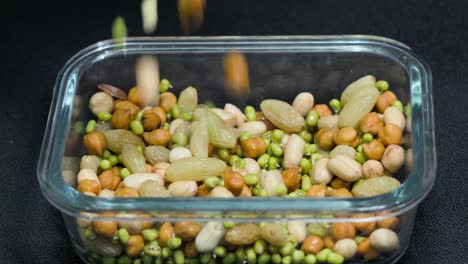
(280, 67)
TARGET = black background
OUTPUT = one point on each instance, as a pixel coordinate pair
(39, 37)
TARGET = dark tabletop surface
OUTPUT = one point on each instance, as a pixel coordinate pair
(38, 38)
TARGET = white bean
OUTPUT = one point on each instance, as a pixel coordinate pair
(252, 166)
(179, 153)
(240, 117)
(346, 248)
(256, 128)
(135, 180)
(303, 103)
(298, 230)
(271, 179)
(101, 102)
(393, 115)
(229, 119)
(183, 188)
(209, 237)
(90, 162)
(372, 168)
(293, 151)
(222, 192)
(320, 172)
(87, 174)
(345, 168)
(384, 240)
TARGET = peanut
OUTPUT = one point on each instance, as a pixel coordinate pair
(303, 103)
(101, 102)
(179, 153)
(345, 168)
(229, 118)
(271, 179)
(393, 158)
(346, 248)
(209, 236)
(240, 117)
(256, 128)
(293, 151)
(136, 179)
(384, 240)
(372, 168)
(298, 230)
(90, 162)
(320, 172)
(165, 233)
(183, 188)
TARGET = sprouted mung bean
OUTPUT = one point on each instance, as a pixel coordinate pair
(218, 162)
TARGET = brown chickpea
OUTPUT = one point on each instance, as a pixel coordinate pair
(317, 191)
(328, 242)
(190, 250)
(95, 143)
(391, 134)
(254, 147)
(292, 178)
(121, 119)
(341, 192)
(133, 96)
(127, 105)
(391, 223)
(322, 110)
(116, 170)
(246, 192)
(158, 137)
(371, 123)
(324, 138)
(187, 231)
(373, 150)
(261, 117)
(134, 246)
(126, 192)
(346, 136)
(364, 227)
(167, 100)
(160, 112)
(203, 190)
(105, 228)
(165, 233)
(150, 120)
(89, 186)
(109, 180)
(234, 182)
(372, 254)
(312, 244)
(385, 100)
(338, 183)
(342, 230)
(364, 246)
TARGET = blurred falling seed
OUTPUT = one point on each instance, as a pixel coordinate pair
(113, 91)
(191, 15)
(149, 13)
(119, 30)
(147, 77)
(236, 74)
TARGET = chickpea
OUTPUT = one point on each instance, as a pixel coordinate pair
(126, 192)
(165, 233)
(341, 230)
(324, 138)
(234, 182)
(95, 143)
(246, 192)
(385, 100)
(364, 227)
(134, 246)
(312, 244)
(109, 180)
(338, 183)
(371, 123)
(190, 250)
(391, 134)
(322, 110)
(150, 120)
(346, 136)
(346, 248)
(167, 100)
(328, 242)
(254, 147)
(389, 223)
(133, 96)
(342, 192)
(158, 137)
(127, 105)
(364, 246)
(317, 191)
(100, 102)
(160, 112)
(292, 178)
(187, 231)
(203, 190)
(121, 119)
(89, 186)
(105, 228)
(373, 150)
